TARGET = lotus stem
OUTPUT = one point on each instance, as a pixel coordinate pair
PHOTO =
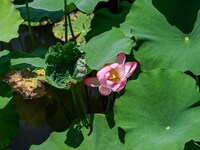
(29, 24)
(66, 32)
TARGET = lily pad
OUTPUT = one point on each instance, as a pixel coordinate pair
(105, 47)
(159, 111)
(102, 137)
(164, 45)
(80, 23)
(10, 21)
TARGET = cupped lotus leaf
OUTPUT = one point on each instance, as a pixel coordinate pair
(102, 137)
(5, 94)
(10, 21)
(87, 6)
(9, 124)
(105, 47)
(164, 45)
(159, 111)
(61, 62)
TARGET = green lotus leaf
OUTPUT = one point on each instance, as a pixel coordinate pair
(159, 111)
(61, 61)
(164, 45)
(105, 47)
(182, 16)
(9, 121)
(102, 137)
(43, 8)
(104, 20)
(35, 59)
(10, 21)
(87, 6)
(80, 23)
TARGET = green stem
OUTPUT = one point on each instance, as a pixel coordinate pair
(74, 101)
(71, 29)
(197, 80)
(108, 105)
(21, 43)
(29, 24)
(65, 8)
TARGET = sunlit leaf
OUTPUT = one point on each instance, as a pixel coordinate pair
(105, 47)
(159, 111)
(10, 21)
(164, 45)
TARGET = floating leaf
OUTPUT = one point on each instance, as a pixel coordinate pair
(159, 111)
(61, 61)
(10, 21)
(105, 47)
(163, 47)
(87, 6)
(9, 124)
(102, 137)
(80, 23)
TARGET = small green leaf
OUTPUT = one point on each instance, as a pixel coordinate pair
(61, 61)
(102, 137)
(105, 47)
(10, 21)
(159, 111)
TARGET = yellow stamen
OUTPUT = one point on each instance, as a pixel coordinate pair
(114, 76)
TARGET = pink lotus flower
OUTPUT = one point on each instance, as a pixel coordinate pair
(112, 77)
